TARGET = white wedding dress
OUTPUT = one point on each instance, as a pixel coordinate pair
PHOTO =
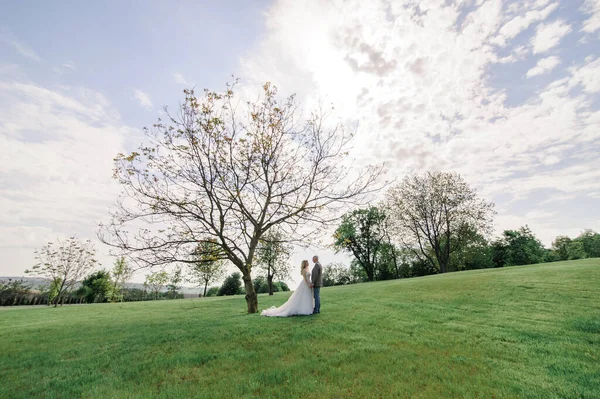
(300, 303)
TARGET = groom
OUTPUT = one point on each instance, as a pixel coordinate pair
(317, 282)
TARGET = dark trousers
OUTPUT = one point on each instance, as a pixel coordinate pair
(317, 294)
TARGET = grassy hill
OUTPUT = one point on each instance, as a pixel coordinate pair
(521, 332)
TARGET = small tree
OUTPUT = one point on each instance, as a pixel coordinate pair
(97, 287)
(273, 257)
(591, 243)
(209, 265)
(433, 215)
(387, 265)
(232, 285)
(474, 253)
(518, 247)
(65, 263)
(576, 250)
(120, 274)
(174, 283)
(560, 246)
(260, 284)
(357, 273)
(362, 234)
(281, 286)
(156, 281)
(336, 274)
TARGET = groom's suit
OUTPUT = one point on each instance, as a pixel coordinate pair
(317, 281)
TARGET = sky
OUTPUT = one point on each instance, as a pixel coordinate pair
(506, 93)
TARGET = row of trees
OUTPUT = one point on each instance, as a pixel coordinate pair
(513, 248)
(586, 245)
(69, 266)
(434, 223)
(232, 285)
(65, 263)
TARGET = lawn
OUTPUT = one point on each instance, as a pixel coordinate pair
(520, 332)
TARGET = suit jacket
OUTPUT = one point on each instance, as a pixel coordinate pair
(317, 275)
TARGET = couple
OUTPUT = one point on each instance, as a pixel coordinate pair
(301, 302)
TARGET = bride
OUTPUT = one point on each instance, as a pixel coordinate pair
(301, 301)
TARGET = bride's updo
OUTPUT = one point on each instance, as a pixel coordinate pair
(303, 266)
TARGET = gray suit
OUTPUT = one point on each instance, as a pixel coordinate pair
(317, 275)
(317, 280)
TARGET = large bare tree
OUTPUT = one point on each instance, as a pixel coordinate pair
(433, 214)
(231, 171)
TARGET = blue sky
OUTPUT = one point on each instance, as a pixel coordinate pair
(504, 92)
(117, 46)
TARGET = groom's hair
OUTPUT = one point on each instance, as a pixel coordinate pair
(316, 257)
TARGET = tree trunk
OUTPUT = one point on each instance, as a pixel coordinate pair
(251, 297)
(270, 282)
(370, 269)
(205, 286)
(395, 262)
(442, 267)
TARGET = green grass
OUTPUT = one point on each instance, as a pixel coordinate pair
(520, 332)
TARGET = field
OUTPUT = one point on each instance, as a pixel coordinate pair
(520, 332)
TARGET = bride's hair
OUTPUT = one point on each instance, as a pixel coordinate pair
(303, 265)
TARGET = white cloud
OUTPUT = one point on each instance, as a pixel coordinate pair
(10, 70)
(143, 98)
(558, 198)
(21, 48)
(522, 21)
(539, 215)
(549, 35)
(180, 79)
(423, 100)
(67, 67)
(592, 8)
(587, 76)
(544, 65)
(55, 167)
